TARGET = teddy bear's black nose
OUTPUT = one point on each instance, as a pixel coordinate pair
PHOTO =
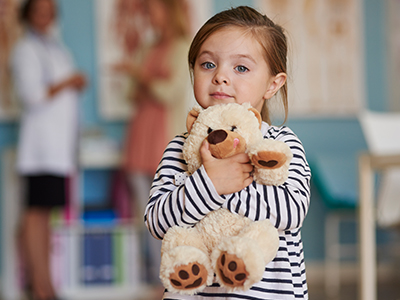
(217, 136)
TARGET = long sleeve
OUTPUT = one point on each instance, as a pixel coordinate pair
(288, 204)
(28, 73)
(185, 204)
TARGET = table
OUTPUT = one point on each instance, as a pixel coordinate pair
(368, 165)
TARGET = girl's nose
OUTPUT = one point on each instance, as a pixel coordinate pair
(220, 78)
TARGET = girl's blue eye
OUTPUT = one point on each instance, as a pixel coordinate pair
(241, 69)
(208, 65)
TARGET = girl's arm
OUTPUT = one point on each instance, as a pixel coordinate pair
(184, 204)
(175, 197)
(286, 205)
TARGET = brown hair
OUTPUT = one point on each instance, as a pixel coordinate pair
(26, 9)
(270, 36)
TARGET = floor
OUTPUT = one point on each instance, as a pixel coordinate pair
(388, 290)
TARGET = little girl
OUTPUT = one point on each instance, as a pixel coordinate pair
(238, 56)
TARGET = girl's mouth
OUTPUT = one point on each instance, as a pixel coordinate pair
(220, 95)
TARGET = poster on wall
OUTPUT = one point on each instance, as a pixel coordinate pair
(9, 33)
(325, 58)
(122, 28)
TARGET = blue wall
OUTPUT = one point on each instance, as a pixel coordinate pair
(323, 135)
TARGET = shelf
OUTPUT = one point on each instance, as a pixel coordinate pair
(99, 152)
(106, 292)
(99, 160)
(70, 233)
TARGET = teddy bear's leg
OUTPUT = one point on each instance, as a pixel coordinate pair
(271, 166)
(240, 260)
(185, 265)
(265, 235)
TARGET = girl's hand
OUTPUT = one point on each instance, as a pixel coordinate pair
(229, 175)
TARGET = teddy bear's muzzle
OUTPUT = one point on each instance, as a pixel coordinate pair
(217, 136)
(224, 144)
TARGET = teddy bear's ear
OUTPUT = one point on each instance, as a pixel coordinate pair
(257, 114)
(191, 118)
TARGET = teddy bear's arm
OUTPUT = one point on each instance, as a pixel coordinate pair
(271, 160)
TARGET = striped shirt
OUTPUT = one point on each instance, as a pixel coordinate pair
(186, 202)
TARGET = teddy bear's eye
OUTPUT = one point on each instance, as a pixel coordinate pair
(233, 128)
(209, 130)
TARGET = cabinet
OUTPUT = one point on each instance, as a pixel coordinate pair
(99, 259)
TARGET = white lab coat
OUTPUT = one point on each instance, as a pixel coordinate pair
(49, 127)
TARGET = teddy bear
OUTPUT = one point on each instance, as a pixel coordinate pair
(233, 247)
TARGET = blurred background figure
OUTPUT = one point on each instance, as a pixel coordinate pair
(156, 40)
(47, 84)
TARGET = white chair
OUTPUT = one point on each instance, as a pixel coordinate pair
(335, 177)
(382, 133)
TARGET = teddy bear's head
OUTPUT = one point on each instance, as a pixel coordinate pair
(227, 127)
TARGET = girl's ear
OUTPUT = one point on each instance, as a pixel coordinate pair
(275, 84)
(191, 118)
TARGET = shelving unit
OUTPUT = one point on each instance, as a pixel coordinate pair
(119, 279)
(73, 277)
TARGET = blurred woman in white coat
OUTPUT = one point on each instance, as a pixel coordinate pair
(48, 86)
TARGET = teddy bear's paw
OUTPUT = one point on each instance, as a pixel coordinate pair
(189, 277)
(185, 270)
(231, 270)
(269, 159)
(238, 262)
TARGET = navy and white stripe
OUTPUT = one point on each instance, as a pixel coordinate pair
(285, 206)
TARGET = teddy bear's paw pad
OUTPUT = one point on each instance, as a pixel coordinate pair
(268, 159)
(190, 276)
(232, 270)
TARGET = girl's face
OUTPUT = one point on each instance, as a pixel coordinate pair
(231, 68)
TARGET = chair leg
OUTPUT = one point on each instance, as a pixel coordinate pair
(332, 256)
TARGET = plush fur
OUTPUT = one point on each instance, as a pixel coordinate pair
(233, 247)
(270, 158)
